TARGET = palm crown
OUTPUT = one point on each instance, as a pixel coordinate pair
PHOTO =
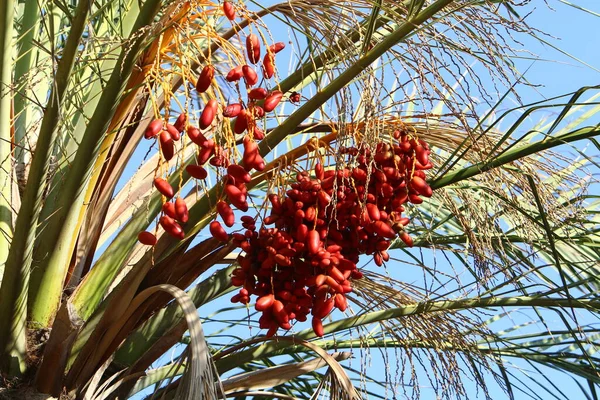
(279, 148)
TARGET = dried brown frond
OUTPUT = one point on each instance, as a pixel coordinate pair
(501, 202)
(441, 344)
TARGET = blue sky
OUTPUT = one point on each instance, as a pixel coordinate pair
(576, 33)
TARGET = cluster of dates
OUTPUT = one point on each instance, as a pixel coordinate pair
(302, 260)
(243, 116)
(304, 263)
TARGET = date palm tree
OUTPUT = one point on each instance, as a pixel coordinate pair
(298, 141)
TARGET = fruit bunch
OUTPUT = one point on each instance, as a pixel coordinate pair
(304, 263)
(176, 212)
(243, 117)
(303, 258)
(259, 100)
(235, 191)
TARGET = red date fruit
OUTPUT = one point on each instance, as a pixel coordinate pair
(317, 326)
(147, 238)
(340, 302)
(217, 231)
(179, 123)
(226, 213)
(253, 48)
(232, 110)
(169, 209)
(313, 241)
(239, 173)
(173, 132)
(171, 227)
(196, 136)
(241, 122)
(196, 171)
(265, 302)
(276, 47)
(164, 187)
(153, 129)
(208, 114)
(268, 65)
(181, 210)
(405, 237)
(272, 100)
(205, 79)
(229, 10)
(421, 186)
(257, 94)
(250, 75)
(235, 74)
(167, 147)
